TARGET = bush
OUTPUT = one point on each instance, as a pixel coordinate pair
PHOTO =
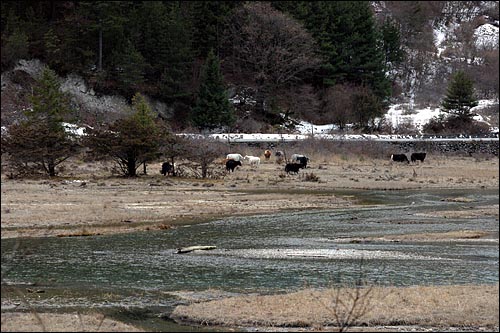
(455, 125)
(311, 177)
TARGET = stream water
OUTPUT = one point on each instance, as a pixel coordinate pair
(141, 275)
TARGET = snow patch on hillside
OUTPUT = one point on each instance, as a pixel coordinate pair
(398, 115)
(486, 36)
(440, 34)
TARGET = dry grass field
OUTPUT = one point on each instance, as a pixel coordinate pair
(85, 199)
(377, 308)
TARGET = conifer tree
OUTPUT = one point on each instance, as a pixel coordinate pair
(460, 99)
(212, 109)
(349, 42)
(129, 68)
(391, 44)
(130, 141)
(208, 23)
(50, 105)
(162, 35)
(104, 24)
(40, 142)
(16, 47)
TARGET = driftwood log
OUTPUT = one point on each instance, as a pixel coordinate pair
(194, 248)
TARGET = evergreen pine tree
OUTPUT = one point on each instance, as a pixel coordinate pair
(16, 47)
(40, 141)
(52, 45)
(348, 40)
(129, 68)
(104, 26)
(130, 141)
(460, 99)
(212, 109)
(177, 63)
(143, 115)
(50, 104)
(208, 23)
(391, 44)
(162, 35)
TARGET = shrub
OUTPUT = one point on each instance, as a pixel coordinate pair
(311, 177)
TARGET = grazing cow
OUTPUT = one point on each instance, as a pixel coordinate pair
(235, 157)
(417, 157)
(399, 158)
(280, 156)
(292, 167)
(253, 160)
(267, 154)
(166, 168)
(300, 159)
(232, 164)
(303, 161)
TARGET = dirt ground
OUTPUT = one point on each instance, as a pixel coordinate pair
(86, 200)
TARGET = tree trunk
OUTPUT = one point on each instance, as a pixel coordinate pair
(100, 47)
(51, 168)
(204, 169)
(131, 168)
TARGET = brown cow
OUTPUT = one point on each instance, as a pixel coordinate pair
(267, 154)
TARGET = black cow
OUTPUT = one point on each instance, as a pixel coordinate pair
(292, 167)
(166, 168)
(232, 164)
(399, 158)
(303, 161)
(418, 157)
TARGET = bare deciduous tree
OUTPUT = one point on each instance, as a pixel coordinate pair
(486, 75)
(300, 101)
(338, 105)
(173, 147)
(350, 304)
(203, 152)
(268, 49)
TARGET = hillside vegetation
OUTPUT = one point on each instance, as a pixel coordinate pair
(323, 62)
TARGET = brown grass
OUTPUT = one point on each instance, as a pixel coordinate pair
(436, 306)
(62, 206)
(62, 322)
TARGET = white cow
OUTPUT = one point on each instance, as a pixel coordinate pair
(253, 160)
(235, 157)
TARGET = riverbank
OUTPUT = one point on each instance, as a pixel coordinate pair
(419, 308)
(85, 201)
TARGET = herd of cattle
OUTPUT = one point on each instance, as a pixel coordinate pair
(403, 158)
(296, 162)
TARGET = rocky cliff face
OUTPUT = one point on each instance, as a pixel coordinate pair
(17, 85)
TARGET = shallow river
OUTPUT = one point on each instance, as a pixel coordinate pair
(257, 254)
